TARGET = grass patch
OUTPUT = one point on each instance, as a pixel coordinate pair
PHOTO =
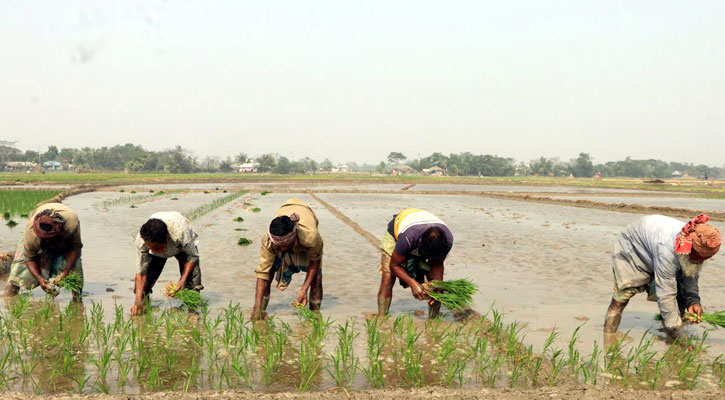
(244, 241)
(238, 219)
(255, 209)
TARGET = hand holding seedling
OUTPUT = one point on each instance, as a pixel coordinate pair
(302, 297)
(695, 309)
(136, 309)
(418, 291)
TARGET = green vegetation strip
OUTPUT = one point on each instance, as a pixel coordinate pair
(52, 349)
(19, 202)
(211, 206)
(134, 198)
(716, 319)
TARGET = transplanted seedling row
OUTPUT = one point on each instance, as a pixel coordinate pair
(47, 349)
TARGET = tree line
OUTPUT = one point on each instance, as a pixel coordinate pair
(134, 158)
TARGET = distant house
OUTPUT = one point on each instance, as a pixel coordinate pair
(21, 166)
(342, 169)
(53, 165)
(247, 167)
(434, 171)
(676, 174)
(402, 170)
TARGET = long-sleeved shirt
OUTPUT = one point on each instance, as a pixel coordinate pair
(648, 244)
(308, 240)
(181, 239)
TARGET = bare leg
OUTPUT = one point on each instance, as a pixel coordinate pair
(385, 293)
(316, 292)
(11, 290)
(614, 316)
(435, 274)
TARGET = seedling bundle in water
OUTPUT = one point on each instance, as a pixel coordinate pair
(454, 295)
(72, 282)
(191, 299)
(716, 319)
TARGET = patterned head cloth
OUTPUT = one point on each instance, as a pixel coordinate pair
(697, 234)
(288, 239)
(47, 224)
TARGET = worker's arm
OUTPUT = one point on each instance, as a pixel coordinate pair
(32, 266)
(665, 276)
(396, 268)
(70, 261)
(137, 306)
(313, 268)
(264, 275)
(689, 288)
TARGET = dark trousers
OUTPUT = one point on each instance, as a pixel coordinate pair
(156, 266)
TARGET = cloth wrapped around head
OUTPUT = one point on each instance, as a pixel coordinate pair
(287, 239)
(47, 224)
(697, 234)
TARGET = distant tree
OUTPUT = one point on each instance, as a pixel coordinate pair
(226, 165)
(381, 168)
(284, 166)
(267, 163)
(8, 151)
(240, 158)
(326, 165)
(582, 166)
(395, 157)
(51, 154)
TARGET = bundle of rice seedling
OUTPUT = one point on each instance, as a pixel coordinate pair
(73, 282)
(191, 299)
(454, 295)
(716, 319)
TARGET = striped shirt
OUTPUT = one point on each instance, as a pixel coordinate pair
(408, 227)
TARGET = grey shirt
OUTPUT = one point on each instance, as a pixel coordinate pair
(181, 239)
(648, 245)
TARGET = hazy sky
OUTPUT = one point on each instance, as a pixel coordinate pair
(353, 81)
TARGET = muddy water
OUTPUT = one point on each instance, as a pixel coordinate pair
(522, 188)
(545, 265)
(693, 203)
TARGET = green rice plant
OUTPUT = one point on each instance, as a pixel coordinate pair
(309, 364)
(11, 223)
(211, 206)
(244, 241)
(375, 344)
(18, 202)
(174, 198)
(273, 344)
(72, 282)
(411, 357)
(454, 294)
(343, 364)
(255, 209)
(716, 319)
(191, 299)
(266, 192)
(238, 219)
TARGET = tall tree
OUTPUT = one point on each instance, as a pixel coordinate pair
(396, 157)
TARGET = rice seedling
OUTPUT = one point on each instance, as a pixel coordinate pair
(375, 343)
(174, 198)
(238, 219)
(72, 282)
(11, 223)
(190, 299)
(255, 209)
(266, 192)
(17, 202)
(211, 206)
(454, 294)
(244, 241)
(343, 364)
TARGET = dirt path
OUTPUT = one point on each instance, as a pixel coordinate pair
(342, 217)
(559, 392)
(622, 207)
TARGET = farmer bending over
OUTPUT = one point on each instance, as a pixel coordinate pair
(165, 234)
(659, 255)
(414, 248)
(50, 248)
(291, 245)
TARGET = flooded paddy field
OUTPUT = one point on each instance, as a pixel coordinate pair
(691, 202)
(545, 266)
